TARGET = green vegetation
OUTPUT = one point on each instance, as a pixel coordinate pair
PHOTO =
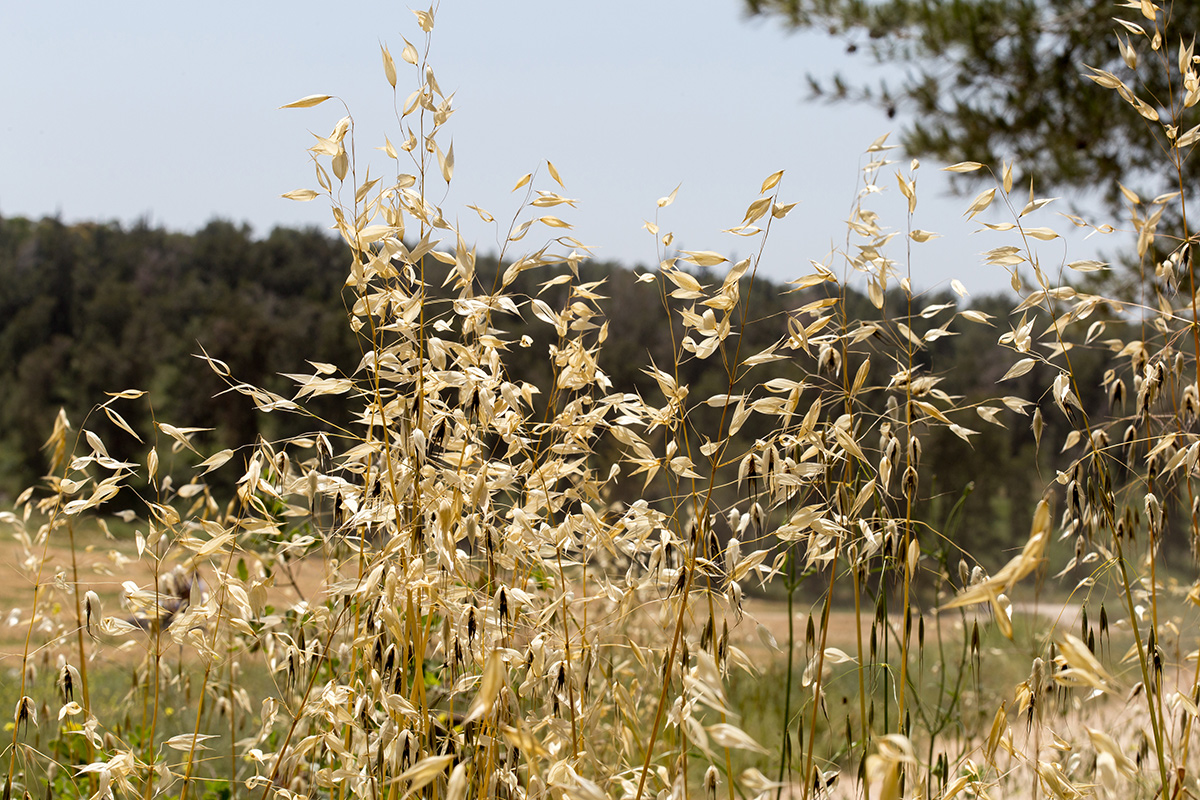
(509, 534)
(95, 309)
(995, 81)
(90, 309)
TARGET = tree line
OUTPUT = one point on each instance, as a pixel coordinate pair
(91, 308)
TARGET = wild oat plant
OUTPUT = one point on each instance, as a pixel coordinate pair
(490, 588)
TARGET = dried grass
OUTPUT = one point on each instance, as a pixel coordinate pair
(444, 601)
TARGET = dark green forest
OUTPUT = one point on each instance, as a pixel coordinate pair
(92, 308)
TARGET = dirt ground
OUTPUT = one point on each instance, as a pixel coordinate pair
(773, 615)
(104, 564)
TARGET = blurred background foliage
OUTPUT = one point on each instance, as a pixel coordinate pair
(92, 308)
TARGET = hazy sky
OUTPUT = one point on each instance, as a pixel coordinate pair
(169, 111)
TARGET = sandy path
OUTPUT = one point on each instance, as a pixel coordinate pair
(773, 615)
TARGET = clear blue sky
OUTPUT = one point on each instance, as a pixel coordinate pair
(169, 111)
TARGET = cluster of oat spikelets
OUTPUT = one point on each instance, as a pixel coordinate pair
(445, 601)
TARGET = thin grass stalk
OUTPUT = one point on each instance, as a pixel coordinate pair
(1155, 719)
(297, 715)
(570, 667)
(1180, 182)
(156, 633)
(701, 514)
(79, 628)
(229, 697)
(861, 665)
(1127, 590)
(348, 734)
(191, 752)
(908, 541)
(37, 585)
(667, 670)
(809, 766)
(785, 745)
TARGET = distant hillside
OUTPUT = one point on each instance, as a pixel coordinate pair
(93, 308)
